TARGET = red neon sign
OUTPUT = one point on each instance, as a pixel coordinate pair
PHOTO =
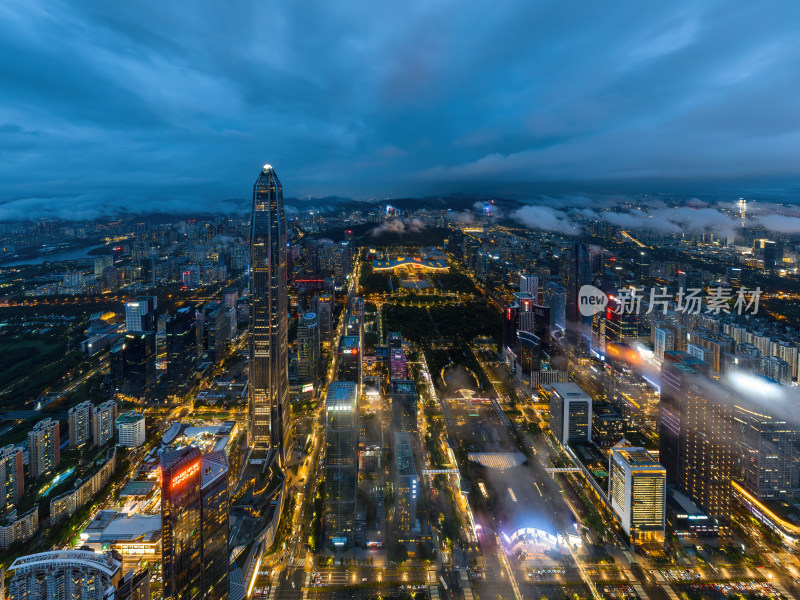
(181, 477)
(354, 351)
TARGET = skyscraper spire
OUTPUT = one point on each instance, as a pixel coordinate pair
(269, 383)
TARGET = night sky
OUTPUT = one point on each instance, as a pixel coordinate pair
(156, 107)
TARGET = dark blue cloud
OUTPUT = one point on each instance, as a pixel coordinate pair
(150, 105)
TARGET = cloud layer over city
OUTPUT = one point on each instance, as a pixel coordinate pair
(148, 106)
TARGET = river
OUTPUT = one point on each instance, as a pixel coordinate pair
(72, 254)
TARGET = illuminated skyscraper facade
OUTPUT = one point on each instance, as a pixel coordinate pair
(269, 382)
(194, 524)
(637, 487)
(341, 462)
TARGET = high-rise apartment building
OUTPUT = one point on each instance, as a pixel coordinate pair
(103, 417)
(194, 524)
(44, 447)
(637, 488)
(101, 263)
(80, 424)
(570, 413)
(341, 462)
(663, 341)
(12, 482)
(269, 366)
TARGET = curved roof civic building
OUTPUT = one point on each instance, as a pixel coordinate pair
(408, 261)
(64, 575)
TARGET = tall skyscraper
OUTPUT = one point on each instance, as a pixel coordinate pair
(194, 524)
(398, 364)
(404, 405)
(570, 413)
(323, 306)
(555, 297)
(663, 341)
(140, 314)
(767, 445)
(578, 275)
(133, 363)
(696, 435)
(529, 283)
(308, 349)
(406, 486)
(637, 489)
(181, 334)
(675, 379)
(341, 462)
(215, 330)
(269, 380)
(349, 360)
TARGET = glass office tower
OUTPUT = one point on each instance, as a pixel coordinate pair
(269, 382)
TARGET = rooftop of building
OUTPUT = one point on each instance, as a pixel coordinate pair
(636, 457)
(138, 488)
(129, 417)
(175, 456)
(403, 386)
(189, 432)
(53, 559)
(110, 525)
(685, 358)
(684, 503)
(213, 466)
(350, 342)
(605, 410)
(524, 296)
(404, 456)
(45, 424)
(341, 396)
(569, 391)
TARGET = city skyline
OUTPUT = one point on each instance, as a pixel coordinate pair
(525, 322)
